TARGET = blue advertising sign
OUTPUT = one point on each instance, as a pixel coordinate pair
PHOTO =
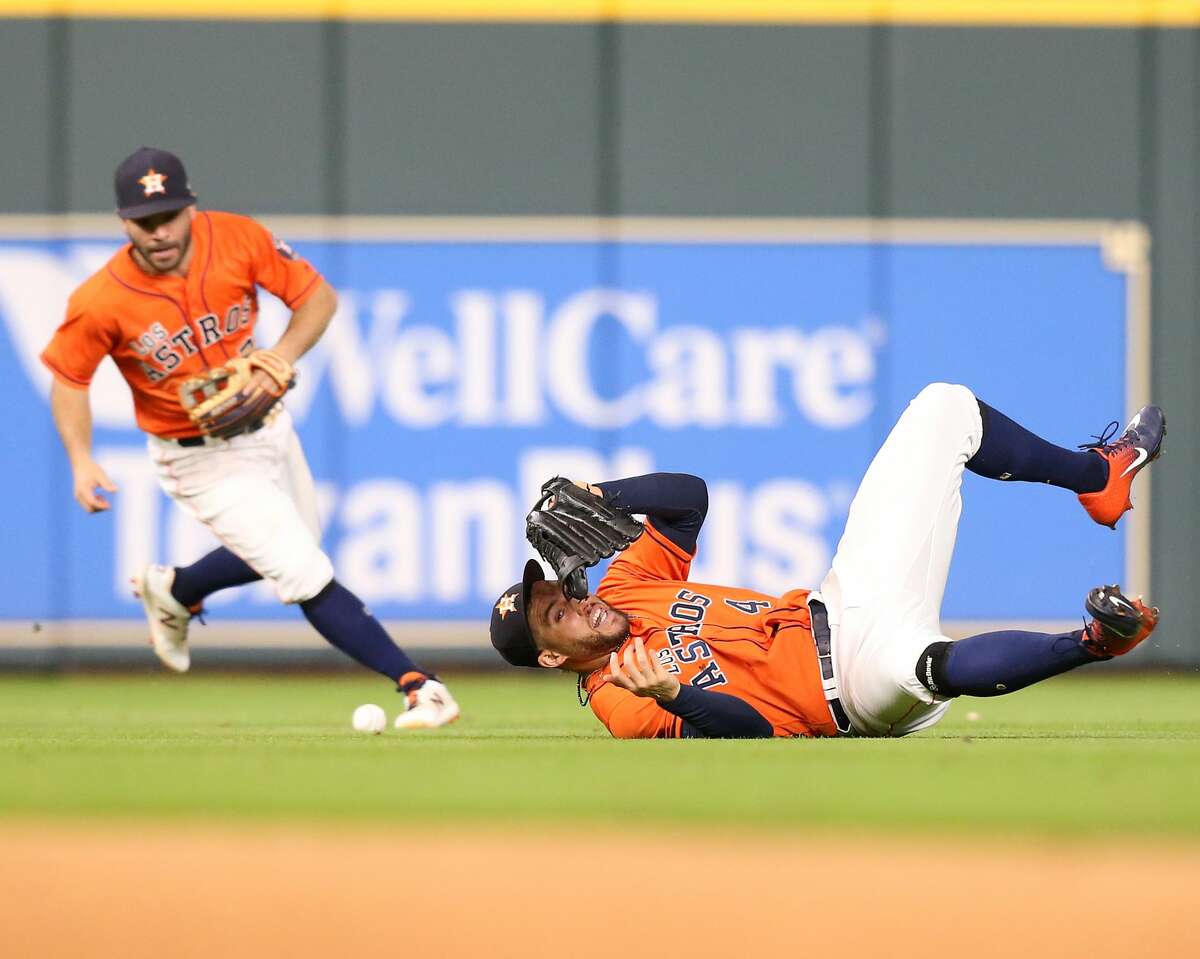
(459, 374)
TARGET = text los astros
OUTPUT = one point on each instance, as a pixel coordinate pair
(684, 644)
(161, 353)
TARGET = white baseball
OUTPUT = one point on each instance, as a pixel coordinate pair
(369, 718)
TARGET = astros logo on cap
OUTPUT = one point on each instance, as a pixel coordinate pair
(153, 182)
(507, 604)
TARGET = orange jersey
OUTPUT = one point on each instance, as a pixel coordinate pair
(736, 641)
(161, 329)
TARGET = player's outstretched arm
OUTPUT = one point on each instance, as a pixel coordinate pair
(675, 502)
(72, 413)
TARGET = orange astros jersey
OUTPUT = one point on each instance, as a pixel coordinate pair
(736, 641)
(160, 329)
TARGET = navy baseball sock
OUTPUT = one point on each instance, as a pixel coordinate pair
(1011, 452)
(219, 569)
(992, 664)
(340, 616)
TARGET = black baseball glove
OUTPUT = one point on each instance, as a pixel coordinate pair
(572, 528)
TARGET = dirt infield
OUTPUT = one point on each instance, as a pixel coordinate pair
(211, 891)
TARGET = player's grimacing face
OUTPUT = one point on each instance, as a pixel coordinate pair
(162, 239)
(580, 629)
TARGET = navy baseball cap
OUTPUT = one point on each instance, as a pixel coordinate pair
(150, 181)
(510, 626)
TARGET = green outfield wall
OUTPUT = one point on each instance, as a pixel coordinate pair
(1056, 110)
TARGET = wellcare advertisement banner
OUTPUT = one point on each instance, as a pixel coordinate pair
(470, 360)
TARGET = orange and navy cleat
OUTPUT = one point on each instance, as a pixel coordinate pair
(429, 704)
(1136, 449)
(1118, 623)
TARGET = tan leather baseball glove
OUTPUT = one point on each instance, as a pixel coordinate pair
(229, 400)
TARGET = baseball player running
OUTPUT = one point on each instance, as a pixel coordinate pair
(175, 308)
(864, 654)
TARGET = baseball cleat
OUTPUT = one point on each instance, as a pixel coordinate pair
(1118, 623)
(429, 705)
(1137, 448)
(168, 618)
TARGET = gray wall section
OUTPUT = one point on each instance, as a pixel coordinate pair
(743, 121)
(27, 118)
(241, 102)
(487, 120)
(519, 119)
(1021, 123)
(1171, 187)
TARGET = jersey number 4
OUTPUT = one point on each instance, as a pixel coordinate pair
(749, 606)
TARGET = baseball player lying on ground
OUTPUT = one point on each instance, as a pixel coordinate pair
(864, 654)
(175, 308)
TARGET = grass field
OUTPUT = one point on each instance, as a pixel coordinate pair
(214, 815)
(1066, 758)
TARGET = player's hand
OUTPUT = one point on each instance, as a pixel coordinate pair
(88, 476)
(642, 674)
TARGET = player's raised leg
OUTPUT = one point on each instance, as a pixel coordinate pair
(890, 570)
(903, 520)
(1100, 473)
(884, 590)
(992, 664)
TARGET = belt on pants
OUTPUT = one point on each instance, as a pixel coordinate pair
(824, 644)
(203, 440)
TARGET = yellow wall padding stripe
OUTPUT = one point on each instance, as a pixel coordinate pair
(1101, 13)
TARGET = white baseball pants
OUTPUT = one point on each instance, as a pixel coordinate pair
(256, 493)
(884, 592)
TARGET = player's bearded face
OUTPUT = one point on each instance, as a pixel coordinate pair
(162, 240)
(580, 629)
